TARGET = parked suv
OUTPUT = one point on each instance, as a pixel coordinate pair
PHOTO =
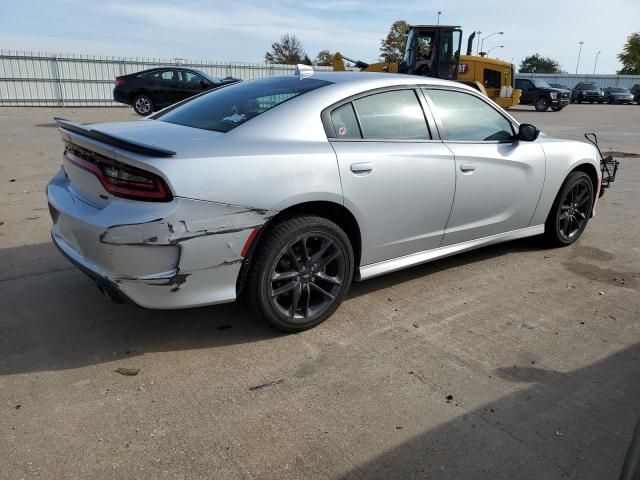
(587, 92)
(154, 89)
(635, 91)
(541, 95)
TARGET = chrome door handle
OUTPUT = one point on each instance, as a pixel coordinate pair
(361, 168)
(467, 167)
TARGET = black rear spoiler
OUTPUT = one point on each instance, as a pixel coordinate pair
(87, 131)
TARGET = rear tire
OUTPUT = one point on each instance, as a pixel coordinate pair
(301, 272)
(143, 105)
(542, 104)
(571, 210)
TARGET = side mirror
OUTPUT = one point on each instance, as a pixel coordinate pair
(527, 132)
(204, 84)
(403, 67)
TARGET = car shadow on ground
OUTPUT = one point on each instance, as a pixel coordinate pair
(559, 425)
(54, 318)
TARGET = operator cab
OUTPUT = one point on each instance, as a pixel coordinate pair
(432, 51)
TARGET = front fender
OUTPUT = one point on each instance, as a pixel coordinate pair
(562, 157)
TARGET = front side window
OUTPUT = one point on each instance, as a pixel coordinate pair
(190, 77)
(466, 117)
(226, 108)
(395, 115)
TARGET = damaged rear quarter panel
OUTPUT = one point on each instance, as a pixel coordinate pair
(210, 237)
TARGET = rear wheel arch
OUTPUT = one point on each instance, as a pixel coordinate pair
(335, 212)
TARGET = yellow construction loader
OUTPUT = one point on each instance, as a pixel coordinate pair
(434, 51)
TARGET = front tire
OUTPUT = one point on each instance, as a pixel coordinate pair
(571, 210)
(143, 105)
(542, 104)
(301, 272)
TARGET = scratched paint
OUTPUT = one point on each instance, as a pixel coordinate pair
(191, 220)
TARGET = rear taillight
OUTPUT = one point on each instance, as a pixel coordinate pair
(119, 179)
(119, 81)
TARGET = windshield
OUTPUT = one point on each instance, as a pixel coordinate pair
(590, 86)
(619, 90)
(541, 84)
(224, 109)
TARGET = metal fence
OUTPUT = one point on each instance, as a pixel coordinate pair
(66, 80)
(571, 80)
(60, 80)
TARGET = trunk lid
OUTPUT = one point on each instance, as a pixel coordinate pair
(142, 144)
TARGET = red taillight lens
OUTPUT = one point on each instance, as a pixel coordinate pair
(119, 81)
(119, 179)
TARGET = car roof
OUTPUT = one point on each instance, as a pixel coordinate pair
(374, 79)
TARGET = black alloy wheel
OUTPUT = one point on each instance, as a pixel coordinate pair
(542, 104)
(301, 273)
(571, 210)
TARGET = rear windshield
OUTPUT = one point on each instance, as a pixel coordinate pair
(224, 109)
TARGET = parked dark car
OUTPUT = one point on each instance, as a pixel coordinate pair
(635, 91)
(618, 95)
(542, 95)
(587, 92)
(154, 89)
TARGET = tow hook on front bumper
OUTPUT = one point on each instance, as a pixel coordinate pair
(608, 165)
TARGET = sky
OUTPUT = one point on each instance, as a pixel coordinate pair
(243, 30)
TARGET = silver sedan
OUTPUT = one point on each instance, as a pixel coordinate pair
(287, 189)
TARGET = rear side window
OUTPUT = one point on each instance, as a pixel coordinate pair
(224, 109)
(162, 75)
(468, 118)
(345, 123)
(395, 115)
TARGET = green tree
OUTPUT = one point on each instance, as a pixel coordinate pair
(536, 63)
(324, 58)
(287, 51)
(630, 56)
(392, 46)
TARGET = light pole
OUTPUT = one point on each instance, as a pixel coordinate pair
(490, 35)
(439, 13)
(579, 52)
(478, 46)
(498, 46)
(596, 62)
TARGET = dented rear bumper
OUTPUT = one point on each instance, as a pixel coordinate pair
(183, 253)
